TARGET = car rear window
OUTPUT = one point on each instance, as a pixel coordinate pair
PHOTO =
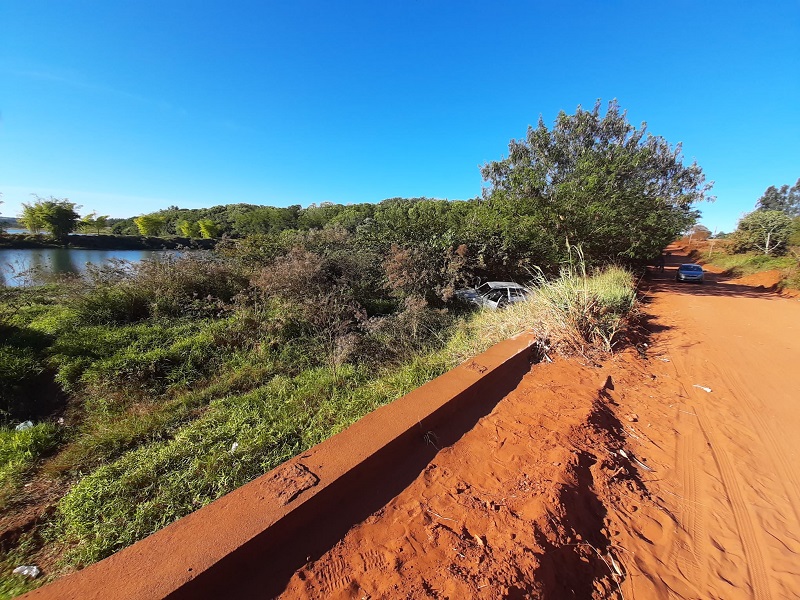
(691, 268)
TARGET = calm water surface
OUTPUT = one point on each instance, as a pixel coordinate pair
(32, 266)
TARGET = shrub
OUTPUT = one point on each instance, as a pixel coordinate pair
(578, 313)
(192, 284)
(113, 304)
(311, 291)
(174, 286)
(426, 271)
(395, 338)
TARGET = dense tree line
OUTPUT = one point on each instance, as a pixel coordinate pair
(591, 179)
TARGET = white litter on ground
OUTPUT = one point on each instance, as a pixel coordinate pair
(31, 571)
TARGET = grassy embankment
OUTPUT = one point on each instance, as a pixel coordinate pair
(183, 384)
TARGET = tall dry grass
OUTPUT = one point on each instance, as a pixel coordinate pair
(578, 313)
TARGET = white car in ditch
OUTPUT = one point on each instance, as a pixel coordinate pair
(494, 294)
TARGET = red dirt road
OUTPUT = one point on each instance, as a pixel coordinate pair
(734, 465)
(629, 479)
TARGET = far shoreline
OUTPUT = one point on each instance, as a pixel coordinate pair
(20, 241)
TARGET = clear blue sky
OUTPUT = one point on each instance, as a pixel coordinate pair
(128, 107)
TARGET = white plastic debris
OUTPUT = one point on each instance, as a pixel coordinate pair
(631, 457)
(24, 425)
(702, 387)
(234, 446)
(31, 571)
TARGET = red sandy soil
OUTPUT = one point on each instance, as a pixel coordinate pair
(539, 501)
(765, 279)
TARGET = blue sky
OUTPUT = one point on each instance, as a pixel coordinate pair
(128, 107)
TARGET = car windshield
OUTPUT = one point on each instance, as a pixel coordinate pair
(691, 268)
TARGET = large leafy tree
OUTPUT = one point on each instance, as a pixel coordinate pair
(189, 229)
(598, 181)
(208, 228)
(786, 199)
(94, 222)
(57, 216)
(767, 231)
(149, 225)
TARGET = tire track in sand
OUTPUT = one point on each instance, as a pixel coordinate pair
(775, 452)
(751, 543)
(692, 520)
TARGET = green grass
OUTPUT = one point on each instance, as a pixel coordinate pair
(105, 435)
(576, 313)
(153, 485)
(19, 452)
(791, 280)
(739, 265)
(12, 585)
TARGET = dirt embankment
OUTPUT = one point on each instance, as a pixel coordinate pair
(670, 472)
(519, 501)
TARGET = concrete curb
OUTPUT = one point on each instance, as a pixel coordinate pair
(249, 542)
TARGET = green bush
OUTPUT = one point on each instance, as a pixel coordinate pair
(113, 304)
(191, 285)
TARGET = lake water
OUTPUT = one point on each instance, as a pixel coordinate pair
(32, 266)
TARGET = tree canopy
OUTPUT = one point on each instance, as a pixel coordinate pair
(149, 225)
(57, 216)
(700, 232)
(598, 181)
(767, 231)
(94, 222)
(786, 199)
